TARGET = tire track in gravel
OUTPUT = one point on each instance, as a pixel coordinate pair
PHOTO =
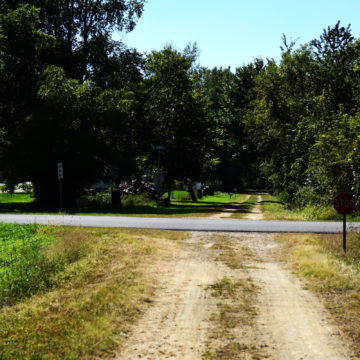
(177, 325)
(291, 323)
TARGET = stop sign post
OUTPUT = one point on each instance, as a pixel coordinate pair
(344, 203)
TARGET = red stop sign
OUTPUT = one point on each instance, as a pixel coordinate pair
(344, 203)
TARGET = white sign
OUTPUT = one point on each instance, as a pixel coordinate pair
(60, 171)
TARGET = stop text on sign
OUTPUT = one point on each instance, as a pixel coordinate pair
(344, 203)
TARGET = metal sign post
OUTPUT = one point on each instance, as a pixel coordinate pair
(344, 203)
(158, 148)
(60, 177)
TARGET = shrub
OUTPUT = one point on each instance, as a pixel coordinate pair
(100, 199)
(135, 200)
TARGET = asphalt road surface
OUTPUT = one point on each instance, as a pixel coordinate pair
(186, 224)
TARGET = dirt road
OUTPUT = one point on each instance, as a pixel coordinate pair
(279, 321)
(226, 213)
(255, 213)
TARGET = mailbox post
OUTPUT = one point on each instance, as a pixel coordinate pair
(344, 203)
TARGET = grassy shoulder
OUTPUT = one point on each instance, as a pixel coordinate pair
(181, 205)
(93, 287)
(274, 209)
(335, 276)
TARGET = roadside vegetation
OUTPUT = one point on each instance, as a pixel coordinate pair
(70, 293)
(320, 261)
(274, 209)
(136, 205)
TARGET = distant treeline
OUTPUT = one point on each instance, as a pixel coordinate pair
(69, 93)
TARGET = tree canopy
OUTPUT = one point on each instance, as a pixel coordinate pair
(70, 93)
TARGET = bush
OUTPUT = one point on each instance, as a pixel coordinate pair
(100, 199)
(103, 200)
(135, 200)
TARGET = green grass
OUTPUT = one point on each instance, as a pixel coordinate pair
(17, 203)
(204, 207)
(181, 196)
(15, 198)
(132, 206)
(101, 289)
(24, 267)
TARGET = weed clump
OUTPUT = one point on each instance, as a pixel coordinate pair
(31, 256)
(24, 267)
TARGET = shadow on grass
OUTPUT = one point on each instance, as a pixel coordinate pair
(245, 208)
(24, 207)
(184, 208)
(271, 202)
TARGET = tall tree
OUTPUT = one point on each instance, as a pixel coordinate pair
(178, 116)
(228, 95)
(39, 128)
(83, 29)
(24, 52)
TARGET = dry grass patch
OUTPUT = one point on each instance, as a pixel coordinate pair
(230, 253)
(102, 290)
(236, 311)
(335, 276)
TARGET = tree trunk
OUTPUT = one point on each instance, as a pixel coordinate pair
(191, 191)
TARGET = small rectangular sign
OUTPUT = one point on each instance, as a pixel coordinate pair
(159, 147)
(60, 170)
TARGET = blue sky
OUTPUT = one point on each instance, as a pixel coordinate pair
(234, 32)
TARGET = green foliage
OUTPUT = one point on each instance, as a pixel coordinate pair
(70, 93)
(227, 95)
(136, 200)
(103, 200)
(304, 119)
(100, 199)
(178, 116)
(50, 107)
(24, 267)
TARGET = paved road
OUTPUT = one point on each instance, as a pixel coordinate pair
(187, 224)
